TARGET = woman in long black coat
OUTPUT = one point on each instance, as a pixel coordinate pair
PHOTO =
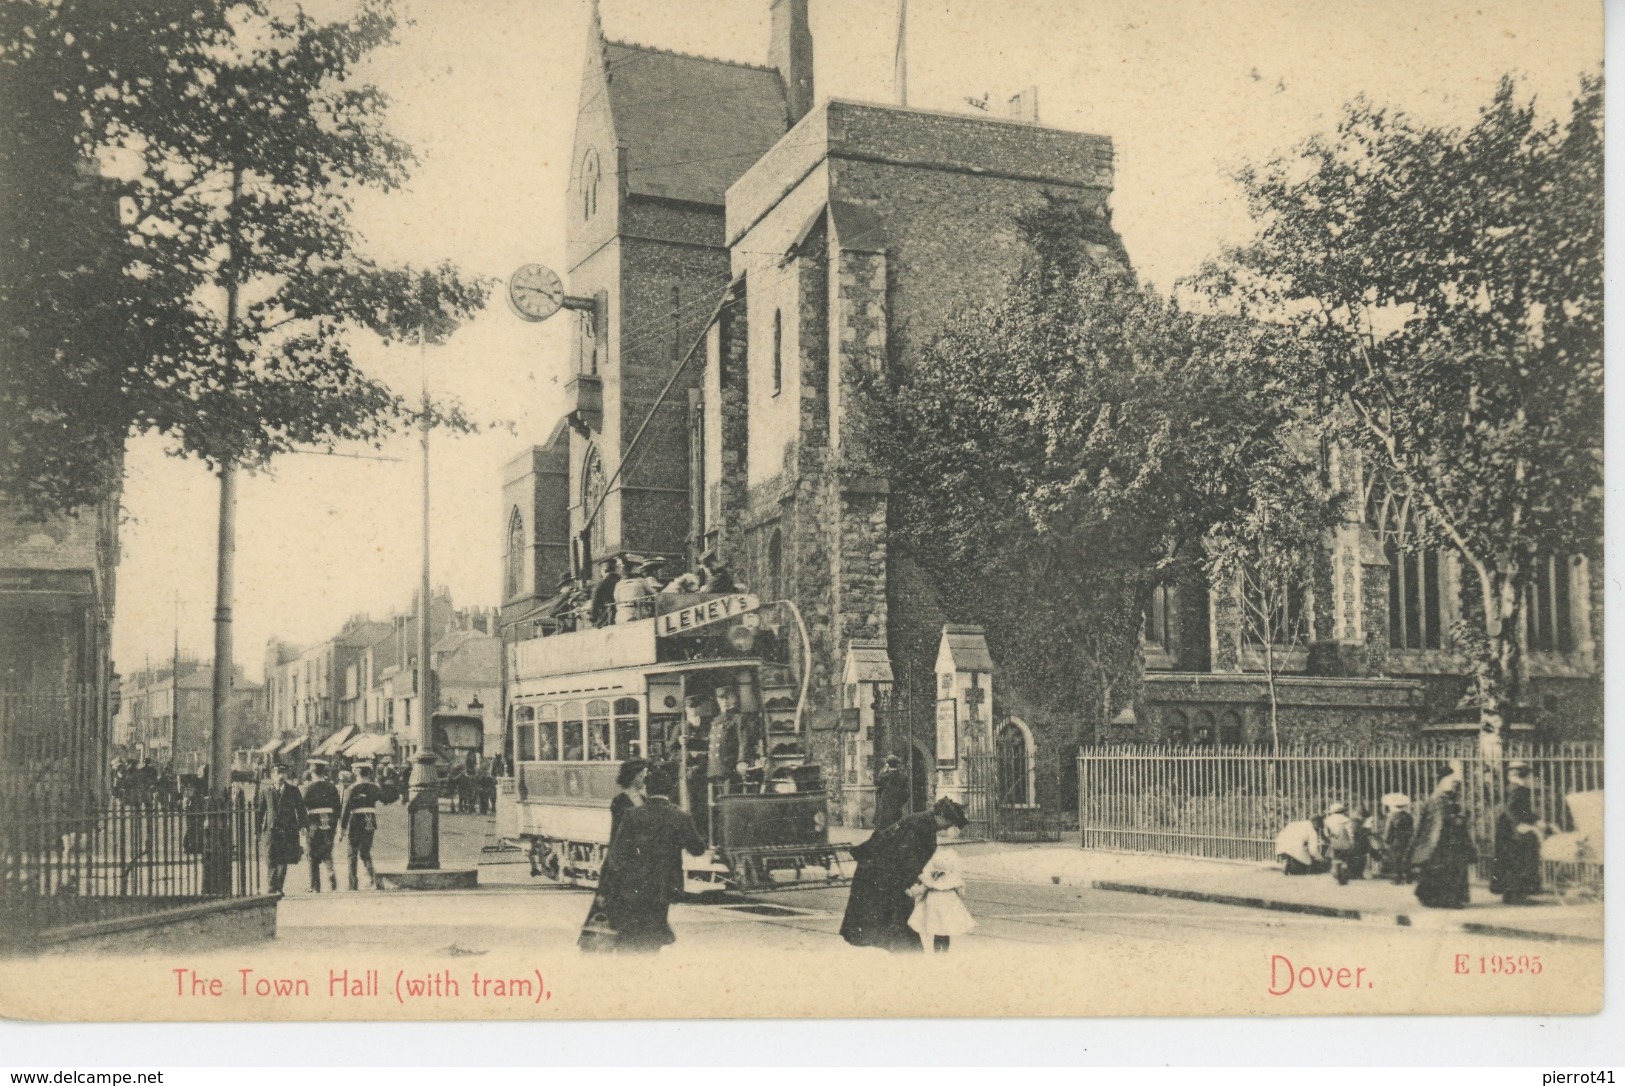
(1515, 869)
(889, 862)
(643, 873)
(1442, 850)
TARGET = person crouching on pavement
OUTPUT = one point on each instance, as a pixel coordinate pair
(359, 821)
(1339, 830)
(939, 909)
(322, 818)
(1301, 847)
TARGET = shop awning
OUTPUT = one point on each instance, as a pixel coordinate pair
(369, 745)
(335, 742)
(292, 745)
(269, 748)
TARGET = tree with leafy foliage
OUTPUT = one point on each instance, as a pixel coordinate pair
(1443, 288)
(75, 331)
(1057, 455)
(1267, 550)
(244, 140)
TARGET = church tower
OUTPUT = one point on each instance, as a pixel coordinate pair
(659, 138)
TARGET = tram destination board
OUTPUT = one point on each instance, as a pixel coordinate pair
(705, 613)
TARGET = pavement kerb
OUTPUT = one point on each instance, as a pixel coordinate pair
(1404, 920)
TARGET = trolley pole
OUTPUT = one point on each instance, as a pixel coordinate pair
(423, 807)
(682, 743)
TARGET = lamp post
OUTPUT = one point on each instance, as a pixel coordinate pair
(423, 807)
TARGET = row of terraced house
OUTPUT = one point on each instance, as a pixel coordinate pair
(356, 694)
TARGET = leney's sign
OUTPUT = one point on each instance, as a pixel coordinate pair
(703, 614)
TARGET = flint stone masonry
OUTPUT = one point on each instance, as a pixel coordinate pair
(983, 147)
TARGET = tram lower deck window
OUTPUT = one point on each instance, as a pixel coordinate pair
(626, 738)
(547, 741)
(525, 742)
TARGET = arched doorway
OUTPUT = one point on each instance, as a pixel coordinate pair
(1013, 750)
(920, 764)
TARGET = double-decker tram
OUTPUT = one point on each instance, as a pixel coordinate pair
(707, 690)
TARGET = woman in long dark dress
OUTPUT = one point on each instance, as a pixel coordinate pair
(889, 862)
(1515, 868)
(1442, 850)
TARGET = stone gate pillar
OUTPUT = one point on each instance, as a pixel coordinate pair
(867, 669)
(964, 705)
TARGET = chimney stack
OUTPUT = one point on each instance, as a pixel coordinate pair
(791, 52)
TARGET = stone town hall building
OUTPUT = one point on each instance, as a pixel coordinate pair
(801, 243)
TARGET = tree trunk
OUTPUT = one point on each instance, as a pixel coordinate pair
(1499, 673)
(1269, 684)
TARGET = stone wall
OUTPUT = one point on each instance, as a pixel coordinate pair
(1309, 709)
(728, 433)
(668, 294)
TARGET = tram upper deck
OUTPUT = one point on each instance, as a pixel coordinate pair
(677, 627)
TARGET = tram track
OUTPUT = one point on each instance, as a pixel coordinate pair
(1000, 910)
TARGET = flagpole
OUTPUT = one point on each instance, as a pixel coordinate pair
(900, 61)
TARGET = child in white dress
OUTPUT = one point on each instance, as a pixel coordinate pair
(939, 908)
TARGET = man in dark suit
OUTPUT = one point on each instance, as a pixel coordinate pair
(603, 593)
(643, 873)
(281, 817)
(891, 793)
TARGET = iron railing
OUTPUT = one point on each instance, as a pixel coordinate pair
(1229, 802)
(990, 796)
(53, 751)
(131, 859)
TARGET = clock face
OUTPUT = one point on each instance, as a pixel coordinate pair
(535, 292)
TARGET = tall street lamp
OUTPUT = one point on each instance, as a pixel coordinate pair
(423, 869)
(423, 851)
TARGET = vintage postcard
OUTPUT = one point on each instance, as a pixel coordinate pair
(548, 509)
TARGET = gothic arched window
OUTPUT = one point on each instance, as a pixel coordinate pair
(778, 351)
(1415, 620)
(593, 489)
(513, 580)
(775, 564)
(1548, 609)
(589, 185)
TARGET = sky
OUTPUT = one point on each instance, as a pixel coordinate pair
(486, 92)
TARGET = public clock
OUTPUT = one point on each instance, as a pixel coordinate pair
(535, 292)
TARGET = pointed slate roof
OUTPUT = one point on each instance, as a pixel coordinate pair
(691, 125)
(964, 648)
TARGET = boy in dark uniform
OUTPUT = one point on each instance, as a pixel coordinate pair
(359, 820)
(321, 823)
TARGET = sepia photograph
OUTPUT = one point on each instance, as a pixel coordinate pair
(616, 509)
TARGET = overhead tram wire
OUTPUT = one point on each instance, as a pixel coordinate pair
(722, 303)
(631, 449)
(658, 328)
(627, 347)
